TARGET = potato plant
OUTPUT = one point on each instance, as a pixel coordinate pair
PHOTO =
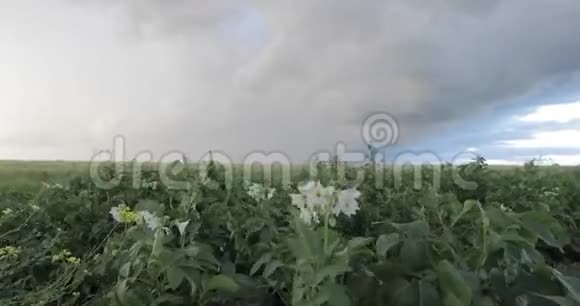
(512, 241)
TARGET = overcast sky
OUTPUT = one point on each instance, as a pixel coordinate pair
(496, 77)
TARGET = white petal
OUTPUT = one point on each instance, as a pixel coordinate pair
(338, 208)
(115, 213)
(307, 187)
(306, 216)
(181, 227)
(347, 203)
(271, 193)
(298, 200)
(151, 220)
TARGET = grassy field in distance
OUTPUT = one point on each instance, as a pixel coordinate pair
(29, 175)
(22, 175)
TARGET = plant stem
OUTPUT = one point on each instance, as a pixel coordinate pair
(326, 233)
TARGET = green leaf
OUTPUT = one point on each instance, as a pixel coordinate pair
(358, 242)
(386, 242)
(307, 243)
(455, 291)
(572, 284)
(405, 293)
(222, 283)
(428, 295)
(271, 268)
(175, 277)
(561, 300)
(413, 254)
(485, 301)
(522, 300)
(168, 298)
(157, 243)
(331, 272)
(151, 206)
(467, 207)
(546, 227)
(331, 294)
(415, 229)
(125, 270)
(193, 277)
(125, 296)
(260, 262)
(486, 226)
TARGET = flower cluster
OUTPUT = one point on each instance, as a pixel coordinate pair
(9, 251)
(73, 260)
(259, 192)
(66, 256)
(126, 215)
(315, 200)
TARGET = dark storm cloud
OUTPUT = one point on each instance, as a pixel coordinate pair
(178, 74)
(426, 63)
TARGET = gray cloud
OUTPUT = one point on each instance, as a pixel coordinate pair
(294, 76)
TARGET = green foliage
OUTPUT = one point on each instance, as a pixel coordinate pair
(514, 240)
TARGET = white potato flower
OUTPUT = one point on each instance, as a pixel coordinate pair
(314, 199)
(151, 220)
(346, 202)
(299, 200)
(318, 196)
(254, 191)
(259, 192)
